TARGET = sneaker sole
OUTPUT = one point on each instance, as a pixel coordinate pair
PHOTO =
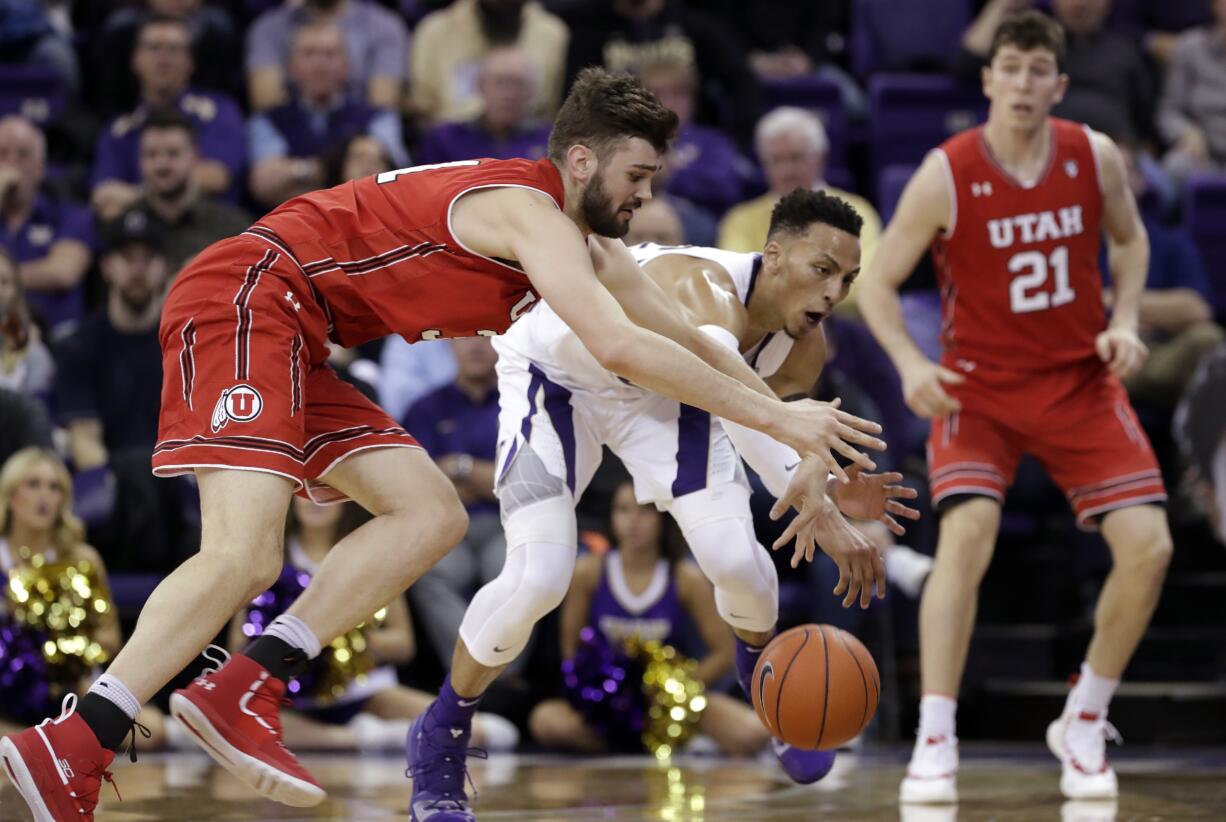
(1100, 792)
(17, 772)
(928, 792)
(264, 778)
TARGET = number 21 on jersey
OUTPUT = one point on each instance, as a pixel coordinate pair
(1029, 291)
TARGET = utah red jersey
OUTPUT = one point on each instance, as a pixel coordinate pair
(381, 258)
(1018, 266)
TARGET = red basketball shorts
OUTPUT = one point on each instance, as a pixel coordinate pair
(245, 379)
(1076, 420)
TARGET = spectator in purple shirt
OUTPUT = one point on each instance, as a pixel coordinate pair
(506, 127)
(287, 143)
(703, 166)
(51, 240)
(458, 426)
(162, 62)
(376, 41)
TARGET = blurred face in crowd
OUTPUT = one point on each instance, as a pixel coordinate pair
(180, 9)
(1023, 86)
(363, 157)
(136, 275)
(167, 157)
(318, 64)
(790, 161)
(507, 84)
(1081, 16)
(162, 60)
(620, 185)
(636, 528)
(814, 271)
(38, 497)
(656, 222)
(23, 149)
(475, 359)
(674, 84)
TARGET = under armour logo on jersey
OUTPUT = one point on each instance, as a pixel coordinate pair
(1070, 168)
(242, 403)
(983, 189)
(289, 297)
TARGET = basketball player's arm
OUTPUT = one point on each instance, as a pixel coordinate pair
(703, 298)
(698, 597)
(1128, 259)
(523, 226)
(923, 211)
(578, 603)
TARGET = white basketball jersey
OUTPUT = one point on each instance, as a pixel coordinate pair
(544, 339)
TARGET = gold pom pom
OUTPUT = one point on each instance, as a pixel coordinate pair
(675, 699)
(69, 603)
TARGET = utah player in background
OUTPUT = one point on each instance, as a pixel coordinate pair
(1013, 211)
(251, 407)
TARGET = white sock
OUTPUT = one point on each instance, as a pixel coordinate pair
(293, 630)
(937, 716)
(115, 692)
(1092, 693)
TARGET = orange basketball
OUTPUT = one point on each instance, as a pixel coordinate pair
(815, 687)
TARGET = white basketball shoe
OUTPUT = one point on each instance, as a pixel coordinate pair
(1079, 741)
(932, 776)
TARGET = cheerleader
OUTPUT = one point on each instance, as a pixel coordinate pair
(643, 590)
(58, 622)
(351, 698)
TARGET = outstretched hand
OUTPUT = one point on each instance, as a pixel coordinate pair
(818, 524)
(875, 497)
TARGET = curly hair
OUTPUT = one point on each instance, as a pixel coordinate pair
(603, 108)
(804, 207)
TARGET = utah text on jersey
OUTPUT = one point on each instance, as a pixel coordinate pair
(1036, 228)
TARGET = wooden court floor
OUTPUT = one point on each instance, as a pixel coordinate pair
(1010, 785)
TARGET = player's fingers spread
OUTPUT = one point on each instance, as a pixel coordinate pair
(889, 478)
(849, 434)
(858, 457)
(833, 466)
(797, 554)
(785, 502)
(901, 510)
(788, 533)
(895, 528)
(858, 422)
(901, 491)
(844, 580)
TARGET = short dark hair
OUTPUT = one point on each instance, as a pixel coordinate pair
(162, 20)
(604, 107)
(1029, 30)
(804, 207)
(169, 118)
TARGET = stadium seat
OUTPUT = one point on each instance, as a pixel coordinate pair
(819, 95)
(902, 35)
(1205, 216)
(35, 92)
(909, 114)
(891, 181)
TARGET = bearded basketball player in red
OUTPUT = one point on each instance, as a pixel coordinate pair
(1031, 364)
(251, 407)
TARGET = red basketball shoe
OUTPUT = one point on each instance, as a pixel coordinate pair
(58, 766)
(234, 712)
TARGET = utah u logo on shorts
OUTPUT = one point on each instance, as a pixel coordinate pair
(242, 403)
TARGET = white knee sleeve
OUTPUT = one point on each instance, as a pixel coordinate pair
(542, 544)
(719, 529)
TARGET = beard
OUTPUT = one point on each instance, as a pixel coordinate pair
(500, 20)
(172, 192)
(599, 213)
(137, 298)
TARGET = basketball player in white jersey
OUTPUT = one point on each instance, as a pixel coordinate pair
(559, 406)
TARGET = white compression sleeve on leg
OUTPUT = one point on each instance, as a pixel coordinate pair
(542, 545)
(774, 461)
(719, 529)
